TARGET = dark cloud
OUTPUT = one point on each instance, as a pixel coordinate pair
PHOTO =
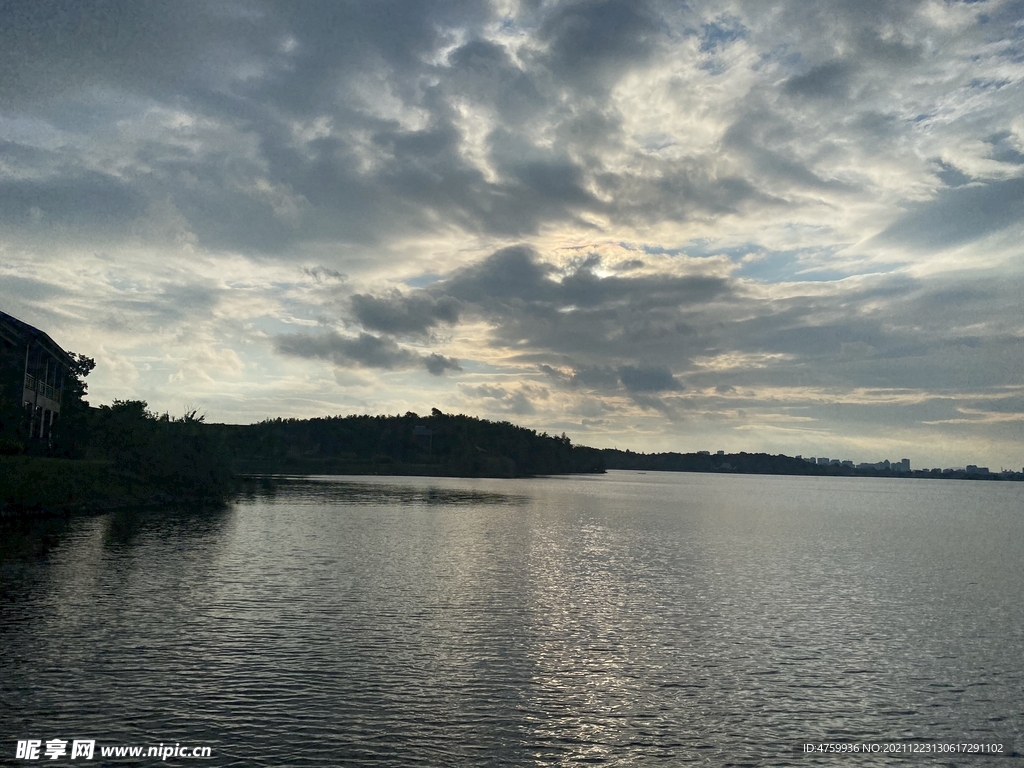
(960, 215)
(583, 315)
(829, 80)
(396, 313)
(31, 290)
(766, 141)
(322, 274)
(365, 350)
(594, 377)
(516, 275)
(342, 122)
(51, 46)
(877, 125)
(951, 176)
(585, 289)
(684, 190)
(657, 379)
(511, 273)
(888, 52)
(1004, 148)
(653, 403)
(603, 329)
(594, 43)
(484, 71)
(85, 201)
(258, 69)
(554, 373)
(437, 364)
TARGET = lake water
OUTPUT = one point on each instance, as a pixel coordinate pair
(624, 619)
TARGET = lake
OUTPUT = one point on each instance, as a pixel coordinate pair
(621, 619)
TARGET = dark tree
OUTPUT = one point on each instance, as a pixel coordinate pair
(71, 431)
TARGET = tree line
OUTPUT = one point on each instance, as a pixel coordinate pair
(187, 456)
(438, 444)
(178, 457)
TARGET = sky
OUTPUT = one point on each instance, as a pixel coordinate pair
(766, 226)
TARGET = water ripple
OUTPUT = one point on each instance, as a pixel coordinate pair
(663, 620)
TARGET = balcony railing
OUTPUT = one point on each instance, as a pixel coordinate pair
(45, 390)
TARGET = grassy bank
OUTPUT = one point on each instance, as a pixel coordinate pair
(39, 486)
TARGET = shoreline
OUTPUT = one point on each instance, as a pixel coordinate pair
(32, 486)
(46, 487)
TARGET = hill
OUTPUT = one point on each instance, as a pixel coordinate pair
(439, 445)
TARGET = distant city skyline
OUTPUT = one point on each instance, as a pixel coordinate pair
(780, 227)
(904, 464)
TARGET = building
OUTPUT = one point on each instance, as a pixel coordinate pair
(34, 367)
(424, 436)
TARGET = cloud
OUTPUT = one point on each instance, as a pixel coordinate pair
(713, 212)
(594, 377)
(519, 401)
(512, 273)
(960, 215)
(828, 80)
(396, 313)
(648, 379)
(721, 32)
(273, 129)
(437, 364)
(623, 318)
(87, 201)
(591, 44)
(712, 330)
(322, 274)
(364, 349)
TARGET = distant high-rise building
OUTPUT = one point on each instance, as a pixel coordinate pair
(823, 460)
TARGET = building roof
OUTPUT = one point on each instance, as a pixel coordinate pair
(20, 333)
